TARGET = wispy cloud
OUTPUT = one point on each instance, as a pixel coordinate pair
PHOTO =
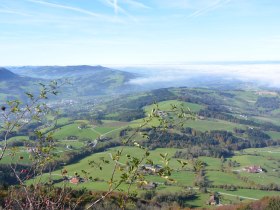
(7, 11)
(216, 4)
(114, 4)
(66, 7)
(117, 8)
(136, 4)
(177, 4)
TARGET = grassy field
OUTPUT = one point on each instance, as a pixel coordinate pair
(274, 135)
(75, 144)
(257, 194)
(221, 178)
(184, 178)
(270, 119)
(63, 120)
(73, 130)
(269, 153)
(246, 160)
(90, 132)
(211, 163)
(268, 158)
(276, 112)
(16, 138)
(16, 155)
(249, 96)
(198, 124)
(167, 106)
(108, 128)
(262, 178)
(106, 171)
(212, 124)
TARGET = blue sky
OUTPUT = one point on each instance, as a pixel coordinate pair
(127, 32)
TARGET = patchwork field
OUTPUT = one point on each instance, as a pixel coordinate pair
(212, 124)
(225, 175)
(167, 106)
(185, 178)
(89, 131)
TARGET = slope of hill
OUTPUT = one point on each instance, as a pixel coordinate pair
(5, 74)
(13, 86)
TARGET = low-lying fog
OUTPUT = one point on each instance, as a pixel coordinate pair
(263, 74)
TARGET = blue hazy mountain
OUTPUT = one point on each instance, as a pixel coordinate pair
(5, 74)
(83, 80)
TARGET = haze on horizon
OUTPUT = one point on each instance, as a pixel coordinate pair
(130, 32)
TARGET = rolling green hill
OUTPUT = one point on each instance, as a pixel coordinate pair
(232, 129)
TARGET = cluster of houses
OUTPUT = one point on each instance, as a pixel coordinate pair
(161, 113)
(150, 169)
(149, 186)
(64, 102)
(92, 143)
(32, 150)
(253, 169)
(260, 93)
(201, 117)
(243, 116)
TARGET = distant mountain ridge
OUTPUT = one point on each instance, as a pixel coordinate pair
(5, 74)
(54, 72)
(84, 80)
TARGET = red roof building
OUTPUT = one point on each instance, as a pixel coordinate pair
(74, 180)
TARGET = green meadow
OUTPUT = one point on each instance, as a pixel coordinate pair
(167, 106)
(212, 124)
